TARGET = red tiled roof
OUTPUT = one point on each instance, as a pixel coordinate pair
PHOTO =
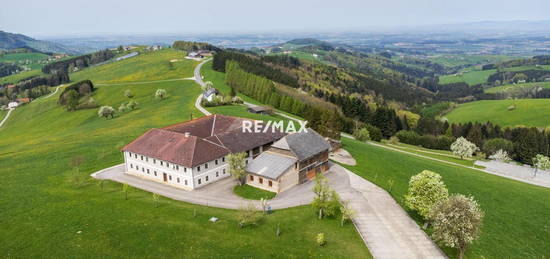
(175, 147)
(23, 100)
(207, 138)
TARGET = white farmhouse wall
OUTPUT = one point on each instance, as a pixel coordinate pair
(154, 169)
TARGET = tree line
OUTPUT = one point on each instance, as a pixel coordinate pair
(193, 46)
(78, 63)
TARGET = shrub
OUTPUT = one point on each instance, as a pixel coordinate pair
(132, 104)
(441, 142)
(128, 93)
(122, 107)
(249, 216)
(374, 132)
(361, 134)
(89, 103)
(106, 112)
(321, 241)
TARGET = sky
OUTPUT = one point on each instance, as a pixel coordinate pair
(97, 17)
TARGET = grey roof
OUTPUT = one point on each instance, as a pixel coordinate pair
(270, 165)
(303, 144)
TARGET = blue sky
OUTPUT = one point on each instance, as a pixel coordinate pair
(91, 17)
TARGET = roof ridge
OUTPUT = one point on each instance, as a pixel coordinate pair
(187, 121)
(216, 144)
(213, 125)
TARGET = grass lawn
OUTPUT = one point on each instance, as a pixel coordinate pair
(50, 209)
(517, 215)
(528, 112)
(458, 60)
(252, 193)
(148, 66)
(2, 114)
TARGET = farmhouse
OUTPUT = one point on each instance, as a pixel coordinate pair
(292, 160)
(209, 94)
(193, 154)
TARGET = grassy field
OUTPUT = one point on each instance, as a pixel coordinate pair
(30, 60)
(514, 88)
(149, 66)
(471, 77)
(517, 215)
(476, 76)
(50, 209)
(252, 193)
(528, 112)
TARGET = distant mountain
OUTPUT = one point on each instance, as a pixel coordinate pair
(13, 41)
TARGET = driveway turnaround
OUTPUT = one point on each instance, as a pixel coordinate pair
(522, 173)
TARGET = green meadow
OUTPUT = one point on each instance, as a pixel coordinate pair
(476, 76)
(459, 60)
(528, 112)
(515, 88)
(517, 215)
(51, 208)
(147, 66)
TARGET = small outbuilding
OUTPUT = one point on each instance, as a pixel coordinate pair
(259, 109)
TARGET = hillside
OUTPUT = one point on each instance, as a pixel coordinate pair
(13, 41)
(527, 112)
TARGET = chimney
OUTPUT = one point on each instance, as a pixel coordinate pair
(187, 134)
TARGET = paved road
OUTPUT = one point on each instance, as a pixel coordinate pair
(198, 79)
(521, 173)
(6, 117)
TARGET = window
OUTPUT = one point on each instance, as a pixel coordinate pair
(178, 180)
(198, 168)
(251, 178)
(296, 166)
(223, 159)
(206, 178)
(131, 166)
(147, 171)
(270, 183)
(143, 169)
(217, 174)
(185, 182)
(160, 162)
(224, 171)
(261, 180)
(141, 158)
(185, 169)
(135, 155)
(137, 167)
(154, 161)
(199, 181)
(170, 177)
(167, 164)
(146, 159)
(155, 173)
(216, 161)
(177, 167)
(206, 166)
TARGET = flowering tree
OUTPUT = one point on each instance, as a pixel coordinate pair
(463, 148)
(160, 94)
(426, 189)
(501, 156)
(457, 222)
(541, 162)
(106, 112)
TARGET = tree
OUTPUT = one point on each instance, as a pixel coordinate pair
(347, 213)
(361, 134)
(156, 198)
(106, 112)
(72, 98)
(463, 148)
(160, 94)
(237, 166)
(122, 107)
(426, 189)
(207, 85)
(321, 240)
(456, 222)
(128, 94)
(541, 162)
(500, 155)
(326, 200)
(125, 190)
(249, 215)
(493, 145)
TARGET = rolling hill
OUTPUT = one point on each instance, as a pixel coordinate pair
(13, 41)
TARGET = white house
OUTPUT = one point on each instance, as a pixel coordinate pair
(13, 105)
(193, 154)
